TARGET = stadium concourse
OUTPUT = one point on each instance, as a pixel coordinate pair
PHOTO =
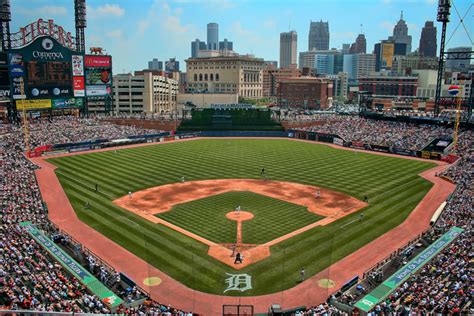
(31, 279)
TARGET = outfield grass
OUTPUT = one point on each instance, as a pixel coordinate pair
(391, 184)
(272, 217)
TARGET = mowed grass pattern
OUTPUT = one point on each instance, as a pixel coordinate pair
(273, 218)
(391, 184)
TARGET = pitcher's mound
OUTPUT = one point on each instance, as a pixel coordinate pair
(239, 216)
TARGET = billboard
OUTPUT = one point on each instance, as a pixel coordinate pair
(97, 61)
(33, 104)
(98, 75)
(4, 77)
(98, 90)
(77, 65)
(79, 87)
(70, 103)
(387, 54)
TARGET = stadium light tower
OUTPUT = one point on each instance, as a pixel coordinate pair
(81, 24)
(443, 16)
(5, 18)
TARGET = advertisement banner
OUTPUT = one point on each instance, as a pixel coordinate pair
(97, 61)
(97, 91)
(73, 267)
(79, 87)
(98, 76)
(359, 145)
(77, 65)
(16, 65)
(404, 152)
(338, 141)
(33, 104)
(380, 148)
(4, 83)
(71, 103)
(16, 88)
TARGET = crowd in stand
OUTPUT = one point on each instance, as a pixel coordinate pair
(444, 285)
(384, 133)
(73, 130)
(31, 279)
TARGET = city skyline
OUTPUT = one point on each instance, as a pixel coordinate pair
(135, 35)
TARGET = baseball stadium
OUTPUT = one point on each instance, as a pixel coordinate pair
(231, 209)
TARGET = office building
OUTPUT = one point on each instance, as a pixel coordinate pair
(400, 35)
(384, 51)
(359, 46)
(213, 36)
(403, 65)
(305, 93)
(288, 49)
(155, 64)
(428, 45)
(273, 63)
(272, 77)
(197, 46)
(346, 48)
(386, 86)
(318, 38)
(172, 65)
(307, 59)
(460, 65)
(358, 65)
(226, 45)
(240, 75)
(144, 92)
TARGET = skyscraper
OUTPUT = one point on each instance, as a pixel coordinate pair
(226, 45)
(196, 46)
(172, 65)
(288, 49)
(400, 34)
(318, 38)
(155, 64)
(359, 46)
(428, 40)
(212, 36)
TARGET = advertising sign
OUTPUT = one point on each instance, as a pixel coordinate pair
(71, 103)
(16, 65)
(387, 54)
(98, 76)
(33, 104)
(97, 61)
(97, 91)
(79, 87)
(77, 65)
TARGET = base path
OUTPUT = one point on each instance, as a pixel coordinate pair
(330, 204)
(166, 290)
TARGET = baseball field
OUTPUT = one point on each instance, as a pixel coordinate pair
(171, 203)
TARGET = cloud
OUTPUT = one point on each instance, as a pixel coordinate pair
(118, 34)
(47, 11)
(162, 16)
(106, 10)
(52, 10)
(269, 24)
(212, 4)
(386, 25)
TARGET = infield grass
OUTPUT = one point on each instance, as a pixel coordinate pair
(391, 184)
(273, 218)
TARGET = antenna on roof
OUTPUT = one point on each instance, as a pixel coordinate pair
(401, 15)
(361, 29)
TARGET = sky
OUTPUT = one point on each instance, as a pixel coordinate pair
(135, 31)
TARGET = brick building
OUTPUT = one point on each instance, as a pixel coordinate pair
(272, 77)
(389, 86)
(305, 93)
